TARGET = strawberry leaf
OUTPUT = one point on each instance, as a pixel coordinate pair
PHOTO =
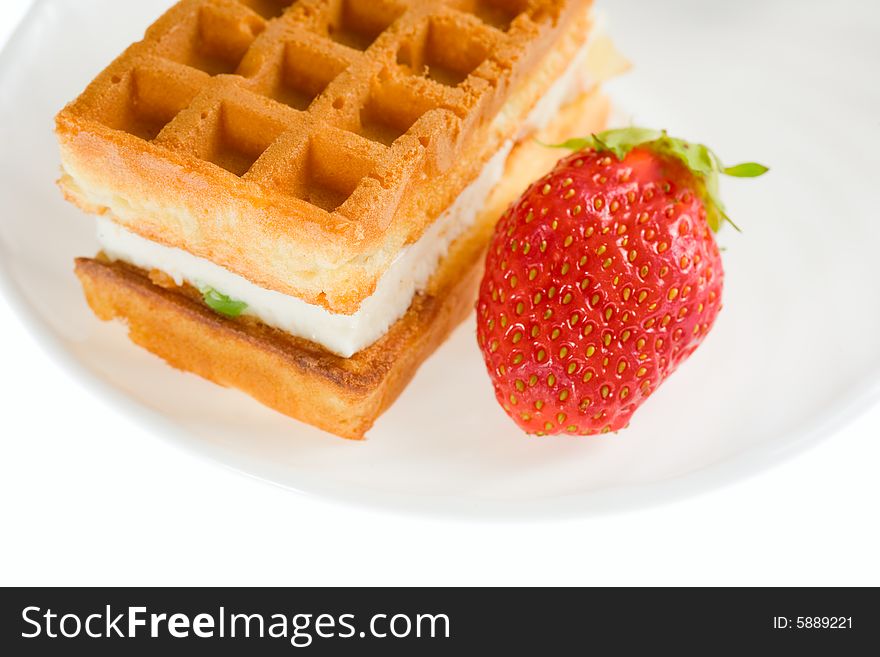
(623, 140)
(697, 157)
(702, 162)
(576, 144)
(620, 141)
(746, 170)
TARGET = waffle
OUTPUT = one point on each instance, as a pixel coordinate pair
(303, 145)
(344, 396)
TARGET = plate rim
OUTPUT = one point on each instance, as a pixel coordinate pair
(730, 470)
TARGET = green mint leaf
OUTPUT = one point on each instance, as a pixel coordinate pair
(221, 303)
(746, 170)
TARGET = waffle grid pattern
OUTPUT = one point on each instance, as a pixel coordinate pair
(337, 103)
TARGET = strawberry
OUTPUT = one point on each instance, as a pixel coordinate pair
(602, 279)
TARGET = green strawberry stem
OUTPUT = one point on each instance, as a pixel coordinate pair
(705, 165)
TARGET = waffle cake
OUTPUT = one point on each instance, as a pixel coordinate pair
(330, 170)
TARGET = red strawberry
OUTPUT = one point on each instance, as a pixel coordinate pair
(602, 279)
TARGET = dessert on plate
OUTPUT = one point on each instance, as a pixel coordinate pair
(294, 198)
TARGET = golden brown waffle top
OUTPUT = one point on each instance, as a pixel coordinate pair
(331, 107)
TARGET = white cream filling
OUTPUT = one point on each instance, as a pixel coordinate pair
(342, 334)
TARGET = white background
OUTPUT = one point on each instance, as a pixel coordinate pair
(88, 497)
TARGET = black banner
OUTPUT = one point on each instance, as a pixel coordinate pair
(433, 621)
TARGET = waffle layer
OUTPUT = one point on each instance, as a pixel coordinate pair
(303, 145)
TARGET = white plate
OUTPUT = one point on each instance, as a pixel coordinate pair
(794, 354)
